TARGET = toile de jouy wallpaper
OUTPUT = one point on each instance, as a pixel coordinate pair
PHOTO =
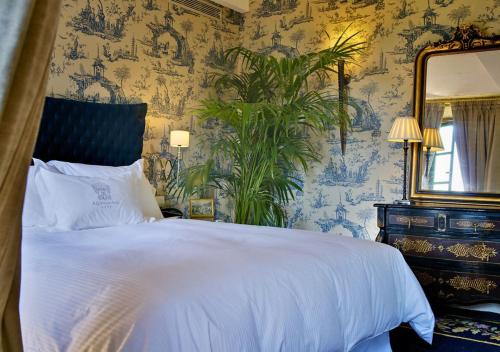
(153, 51)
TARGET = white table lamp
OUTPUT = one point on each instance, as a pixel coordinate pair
(406, 130)
(179, 139)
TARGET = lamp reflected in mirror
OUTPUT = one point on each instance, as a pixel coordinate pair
(447, 113)
(432, 143)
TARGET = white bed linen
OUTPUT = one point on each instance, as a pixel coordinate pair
(186, 285)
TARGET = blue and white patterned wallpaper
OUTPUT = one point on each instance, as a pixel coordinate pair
(153, 51)
(340, 192)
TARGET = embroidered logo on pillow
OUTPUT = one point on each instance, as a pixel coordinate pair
(104, 198)
(102, 190)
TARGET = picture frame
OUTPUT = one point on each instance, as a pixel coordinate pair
(203, 208)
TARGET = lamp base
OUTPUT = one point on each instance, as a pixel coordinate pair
(402, 201)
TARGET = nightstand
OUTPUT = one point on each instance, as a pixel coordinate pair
(453, 250)
(171, 212)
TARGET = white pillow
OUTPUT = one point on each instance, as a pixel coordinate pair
(33, 211)
(145, 191)
(77, 169)
(88, 202)
(39, 164)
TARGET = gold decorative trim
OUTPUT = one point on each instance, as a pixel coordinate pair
(471, 251)
(466, 38)
(469, 224)
(418, 246)
(419, 220)
(479, 251)
(467, 283)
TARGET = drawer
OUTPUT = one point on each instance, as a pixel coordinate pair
(458, 287)
(474, 224)
(411, 221)
(447, 248)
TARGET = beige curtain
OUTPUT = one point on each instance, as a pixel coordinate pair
(27, 33)
(492, 183)
(433, 115)
(477, 135)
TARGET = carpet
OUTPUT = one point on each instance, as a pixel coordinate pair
(455, 331)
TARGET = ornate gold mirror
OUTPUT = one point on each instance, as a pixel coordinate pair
(457, 104)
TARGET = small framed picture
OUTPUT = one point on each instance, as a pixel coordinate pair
(201, 208)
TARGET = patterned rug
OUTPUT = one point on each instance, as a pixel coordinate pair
(456, 331)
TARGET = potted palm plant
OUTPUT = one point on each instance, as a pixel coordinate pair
(262, 147)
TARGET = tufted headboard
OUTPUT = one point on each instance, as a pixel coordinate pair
(91, 133)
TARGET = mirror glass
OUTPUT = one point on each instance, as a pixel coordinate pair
(461, 123)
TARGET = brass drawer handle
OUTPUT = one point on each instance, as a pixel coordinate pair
(412, 220)
(475, 225)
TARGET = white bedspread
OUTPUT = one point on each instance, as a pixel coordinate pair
(184, 285)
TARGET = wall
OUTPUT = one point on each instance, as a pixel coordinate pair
(106, 51)
(339, 192)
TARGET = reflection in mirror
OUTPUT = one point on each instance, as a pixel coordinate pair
(461, 123)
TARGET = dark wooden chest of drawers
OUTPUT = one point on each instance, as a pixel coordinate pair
(454, 251)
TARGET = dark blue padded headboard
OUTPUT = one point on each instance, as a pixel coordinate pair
(91, 133)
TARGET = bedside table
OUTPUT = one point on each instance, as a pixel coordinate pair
(453, 250)
(171, 212)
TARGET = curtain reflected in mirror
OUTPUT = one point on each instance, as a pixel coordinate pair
(468, 159)
(461, 124)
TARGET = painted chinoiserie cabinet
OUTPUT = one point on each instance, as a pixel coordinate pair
(454, 250)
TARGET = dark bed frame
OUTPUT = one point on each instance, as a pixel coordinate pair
(91, 133)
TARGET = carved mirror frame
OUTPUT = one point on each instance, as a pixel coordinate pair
(465, 39)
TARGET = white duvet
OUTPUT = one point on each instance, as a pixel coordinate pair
(183, 285)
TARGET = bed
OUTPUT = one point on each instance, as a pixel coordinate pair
(188, 285)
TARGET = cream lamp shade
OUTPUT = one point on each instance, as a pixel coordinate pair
(179, 139)
(447, 113)
(405, 129)
(432, 139)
